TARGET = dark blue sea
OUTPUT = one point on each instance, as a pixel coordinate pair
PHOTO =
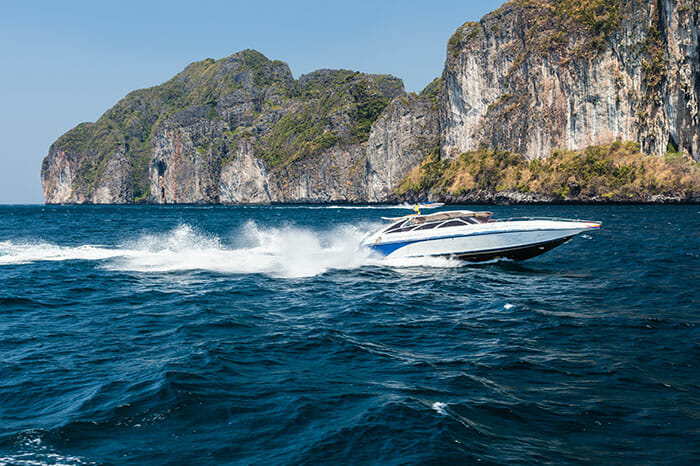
(262, 335)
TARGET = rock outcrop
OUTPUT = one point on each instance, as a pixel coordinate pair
(532, 78)
(538, 75)
(243, 130)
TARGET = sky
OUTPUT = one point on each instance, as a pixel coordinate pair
(65, 62)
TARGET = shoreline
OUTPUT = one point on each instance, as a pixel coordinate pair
(388, 204)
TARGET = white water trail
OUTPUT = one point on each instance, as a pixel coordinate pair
(26, 252)
(280, 252)
(285, 252)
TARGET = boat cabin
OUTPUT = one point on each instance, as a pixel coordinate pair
(438, 220)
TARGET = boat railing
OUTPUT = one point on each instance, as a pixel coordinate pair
(520, 219)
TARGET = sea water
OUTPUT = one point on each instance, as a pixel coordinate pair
(264, 335)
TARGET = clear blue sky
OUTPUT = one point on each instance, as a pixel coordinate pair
(65, 62)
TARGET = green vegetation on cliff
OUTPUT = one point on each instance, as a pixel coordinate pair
(569, 29)
(554, 23)
(432, 92)
(297, 135)
(618, 172)
(551, 25)
(462, 36)
(654, 64)
(329, 107)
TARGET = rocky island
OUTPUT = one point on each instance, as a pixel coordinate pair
(540, 101)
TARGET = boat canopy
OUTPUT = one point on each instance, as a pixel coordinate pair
(416, 219)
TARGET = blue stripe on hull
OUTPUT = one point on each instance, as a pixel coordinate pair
(386, 249)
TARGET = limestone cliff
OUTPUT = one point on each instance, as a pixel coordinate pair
(534, 79)
(540, 75)
(243, 130)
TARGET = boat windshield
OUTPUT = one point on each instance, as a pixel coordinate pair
(427, 226)
(395, 227)
(453, 223)
(439, 220)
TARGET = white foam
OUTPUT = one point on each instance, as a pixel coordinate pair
(281, 252)
(33, 452)
(508, 306)
(285, 252)
(440, 407)
(22, 253)
(41, 459)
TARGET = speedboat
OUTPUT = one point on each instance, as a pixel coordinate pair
(473, 236)
(428, 205)
(421, 205)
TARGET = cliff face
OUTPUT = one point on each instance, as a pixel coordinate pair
(242, 130)
(63, 173)
(532, 78)
(539, 75)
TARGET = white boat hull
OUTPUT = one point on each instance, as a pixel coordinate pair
(516, 240)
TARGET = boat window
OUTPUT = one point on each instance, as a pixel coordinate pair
(406, 225)
(395, 227)
(427, 226)
(399, 230)
(452, 223)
